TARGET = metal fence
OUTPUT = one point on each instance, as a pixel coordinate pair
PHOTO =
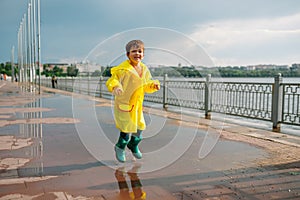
(276, 102)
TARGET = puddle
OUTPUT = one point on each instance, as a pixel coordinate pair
(64, 152)
(58, 150)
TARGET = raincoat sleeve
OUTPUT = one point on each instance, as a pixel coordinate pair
(150, 84)
(114, 81)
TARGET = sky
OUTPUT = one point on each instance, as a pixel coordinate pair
(231, 32)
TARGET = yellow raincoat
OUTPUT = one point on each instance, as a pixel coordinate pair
(128, 111)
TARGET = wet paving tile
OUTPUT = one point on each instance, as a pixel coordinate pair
(74, 158)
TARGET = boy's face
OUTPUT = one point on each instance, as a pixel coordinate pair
(135, 55)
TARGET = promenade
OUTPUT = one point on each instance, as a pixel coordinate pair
(45, 155)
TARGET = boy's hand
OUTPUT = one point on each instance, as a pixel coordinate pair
(117, 91)
(156, 86)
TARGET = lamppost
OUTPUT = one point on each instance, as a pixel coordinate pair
(12, 64)
(29, 45)
(39, 62)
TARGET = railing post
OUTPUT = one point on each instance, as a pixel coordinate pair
(277, 103)
(207, 98)
(72, 89)
(66, 88)
(79, 84)
(165, 92)
(100, 86)
(89, 78)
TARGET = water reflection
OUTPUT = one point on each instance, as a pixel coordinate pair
(136, 191)
(35, 132)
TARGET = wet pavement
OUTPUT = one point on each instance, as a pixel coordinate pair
(59, 145)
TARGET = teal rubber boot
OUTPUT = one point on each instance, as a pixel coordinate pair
(133, 146)
(120, 149)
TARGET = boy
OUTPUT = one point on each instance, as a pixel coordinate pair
(129, 81)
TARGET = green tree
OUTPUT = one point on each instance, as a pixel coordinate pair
(2, 68)
(106, 72)
(57, 71)
(72, 71)
(96, 73)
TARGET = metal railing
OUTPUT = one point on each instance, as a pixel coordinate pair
(290, 105)
(276, 102)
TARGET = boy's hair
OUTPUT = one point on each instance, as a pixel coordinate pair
(134, 43)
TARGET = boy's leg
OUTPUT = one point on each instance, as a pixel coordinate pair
(137, 190)
(120, 146)
(136, 138)
(124, 190)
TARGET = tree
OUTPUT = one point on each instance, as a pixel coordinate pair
(57, 71)
(72, 71)
(96, 73)
(106, 72)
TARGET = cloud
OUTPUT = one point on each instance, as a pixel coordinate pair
(251, 38)
(163, 46)
(72, 28)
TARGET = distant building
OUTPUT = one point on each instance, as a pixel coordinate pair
(270, 66)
